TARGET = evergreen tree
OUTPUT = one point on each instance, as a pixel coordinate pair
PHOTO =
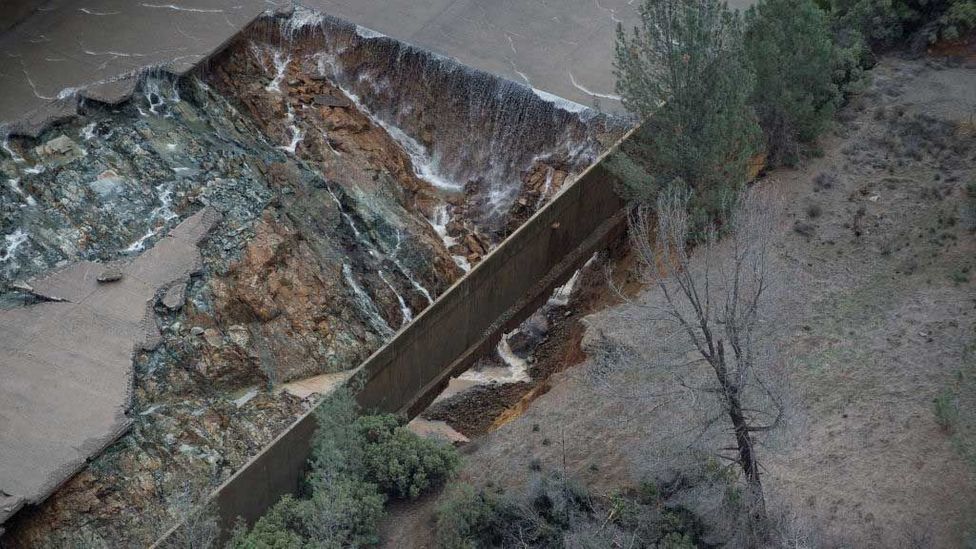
(790, 47)
(684, 72)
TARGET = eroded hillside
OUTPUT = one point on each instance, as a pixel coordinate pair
(355, 179)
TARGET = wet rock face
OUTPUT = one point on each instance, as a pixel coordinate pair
(487, 152)
(356, 179)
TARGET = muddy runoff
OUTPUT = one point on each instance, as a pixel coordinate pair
(355, 177)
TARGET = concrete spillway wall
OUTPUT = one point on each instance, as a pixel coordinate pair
(465, 322)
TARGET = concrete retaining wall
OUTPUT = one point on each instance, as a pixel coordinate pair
(465, 322)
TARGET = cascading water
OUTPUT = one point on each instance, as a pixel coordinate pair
(280, 61)
(157, 218)
(483, 153)
(11, 243)
(462, 128)
(296, 133)
(160, 91)
(404, 308)
(366, 302)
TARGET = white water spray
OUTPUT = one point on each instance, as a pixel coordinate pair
(15, 186)
(516, 369)
(366, 303)
(280, 62)
(163, 213)
(442, 216)
(13, 241)
(13, 154)
(405, 310)
(296, 133)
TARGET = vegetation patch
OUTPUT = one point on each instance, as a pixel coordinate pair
(358, 463)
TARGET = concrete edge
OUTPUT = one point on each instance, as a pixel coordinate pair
(120, 88)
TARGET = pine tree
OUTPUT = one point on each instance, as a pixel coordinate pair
(790, 47)
(683, 71)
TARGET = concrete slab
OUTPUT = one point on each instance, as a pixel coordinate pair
(66, 367)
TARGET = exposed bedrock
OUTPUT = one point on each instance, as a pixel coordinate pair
(357, 178)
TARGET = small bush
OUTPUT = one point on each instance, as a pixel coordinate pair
(825, 180)
(888, 23)
(551, 506)
(959, 19)
(401, 463)
(471, 518)
(344, 513)
(272, 531)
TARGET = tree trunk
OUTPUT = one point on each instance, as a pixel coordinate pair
(747, 457)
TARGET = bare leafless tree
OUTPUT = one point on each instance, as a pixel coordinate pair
(714, 285)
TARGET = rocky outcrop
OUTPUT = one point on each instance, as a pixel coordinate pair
(357, 179)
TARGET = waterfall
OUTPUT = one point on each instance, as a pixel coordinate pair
(15, 186)
(157, 218)
(395, 258)
(159, 90)
(296, 133)
(13, 241)
(375, 252)
(516, 369)
(88, 132)
(5, 144)
(366, 303)
(462, 128)
(547, 188)
(280, 62)
(442, 216)
(404, 309)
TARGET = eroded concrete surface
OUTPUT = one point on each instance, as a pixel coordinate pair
(64, 46)
(66, 362)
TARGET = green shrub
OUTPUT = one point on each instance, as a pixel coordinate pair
(337, 447)
(789, 45)
(888, 23)
(470, 518)
(356, 461)
(401, 463)
(272, 531)
(552, 506)
(345, 512)
(959, 19)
